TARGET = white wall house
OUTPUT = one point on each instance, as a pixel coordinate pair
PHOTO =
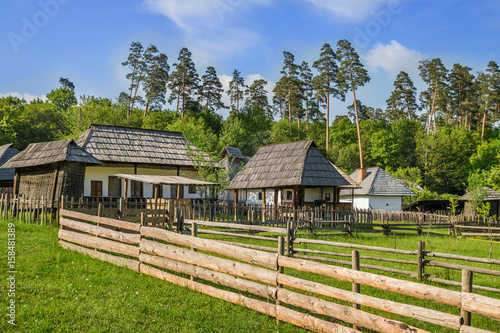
(136, 151)
(378, 190)
(298, 171)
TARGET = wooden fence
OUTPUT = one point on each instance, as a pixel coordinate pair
(269, 280)
(157, 211)
(296, 246)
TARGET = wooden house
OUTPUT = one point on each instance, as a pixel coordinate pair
(490, 195)
(135, 151)
(233, 162)
(7, 175)
(378, 190)
(294, 173)
(50, 169)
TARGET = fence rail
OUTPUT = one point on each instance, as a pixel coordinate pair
(269, 276)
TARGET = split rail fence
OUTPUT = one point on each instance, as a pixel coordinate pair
(268, 282)
(157, 211)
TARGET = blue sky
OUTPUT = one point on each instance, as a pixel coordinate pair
(86, 41)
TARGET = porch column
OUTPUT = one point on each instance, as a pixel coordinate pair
(16, 182)
(178, 186)
(263, 205)
(125, 193)
(235, 205)
(294, 195)
(275, 215)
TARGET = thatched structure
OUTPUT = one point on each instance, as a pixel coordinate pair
(7, 175)
(50, 169)
(298, 168)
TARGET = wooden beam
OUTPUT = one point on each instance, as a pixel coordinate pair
(178, 186)
(275, 214)
(54, 185)
(16, 182)
(263, 205)
(235, 205)
(125, 192)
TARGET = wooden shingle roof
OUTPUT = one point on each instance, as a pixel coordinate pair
(134, 145)
(297, 163)
(6, 153)
(233, 152)
(41, 153)
(491, 194)
(379, 182)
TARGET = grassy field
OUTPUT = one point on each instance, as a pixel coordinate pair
(60, 291)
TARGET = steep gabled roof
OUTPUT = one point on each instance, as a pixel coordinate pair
(6, 153)
(379, 182)
(135, 145)
(233, 152)
(41, 153)
(491, 194)
(352, 183)
(288, 164)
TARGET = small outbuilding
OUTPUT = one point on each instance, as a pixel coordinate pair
(294, 174)
(378, 190)
(490, 195)
(7, 175)
(50, 169)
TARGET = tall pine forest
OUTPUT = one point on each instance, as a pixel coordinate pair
(445, 139)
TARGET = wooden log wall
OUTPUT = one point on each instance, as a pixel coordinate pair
(263, 274)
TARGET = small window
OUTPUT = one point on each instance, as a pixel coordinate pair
(96, 188)
(114, 187)
(289, 195)
(192, 189)
(327, 196)
(260, 195)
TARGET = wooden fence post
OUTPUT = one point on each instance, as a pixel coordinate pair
(194, 233)
(421, 258)
(281, 251)
(466, 288)
(289, 238)
(355, 286)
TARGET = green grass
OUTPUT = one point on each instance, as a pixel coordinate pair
(61, 291)
(468, 247)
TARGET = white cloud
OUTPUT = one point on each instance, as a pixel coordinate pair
(356, 10)
(394, 58)
(26, 96)
(211, 28)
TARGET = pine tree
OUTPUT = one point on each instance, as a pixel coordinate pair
(211, 90)
(351, 75)
(137, 66)
(257, 96)
(155, 79)
(279, 98)
(306, 77)
(184, 80)
(235, 91)
(490, 91)
(434, 73)
(326, 83)
(291, 87)
(403, 100)
(461, 92)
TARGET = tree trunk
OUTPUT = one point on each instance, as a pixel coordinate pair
(327, 122)
(359, 132)
(290, 110)
(484, 120)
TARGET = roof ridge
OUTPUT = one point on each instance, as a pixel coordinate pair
(133, 128)
(305, 158)
(284, 143)
(373, 180)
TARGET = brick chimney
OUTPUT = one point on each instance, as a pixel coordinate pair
(362, 173)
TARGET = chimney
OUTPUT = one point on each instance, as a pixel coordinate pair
(362, 173)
